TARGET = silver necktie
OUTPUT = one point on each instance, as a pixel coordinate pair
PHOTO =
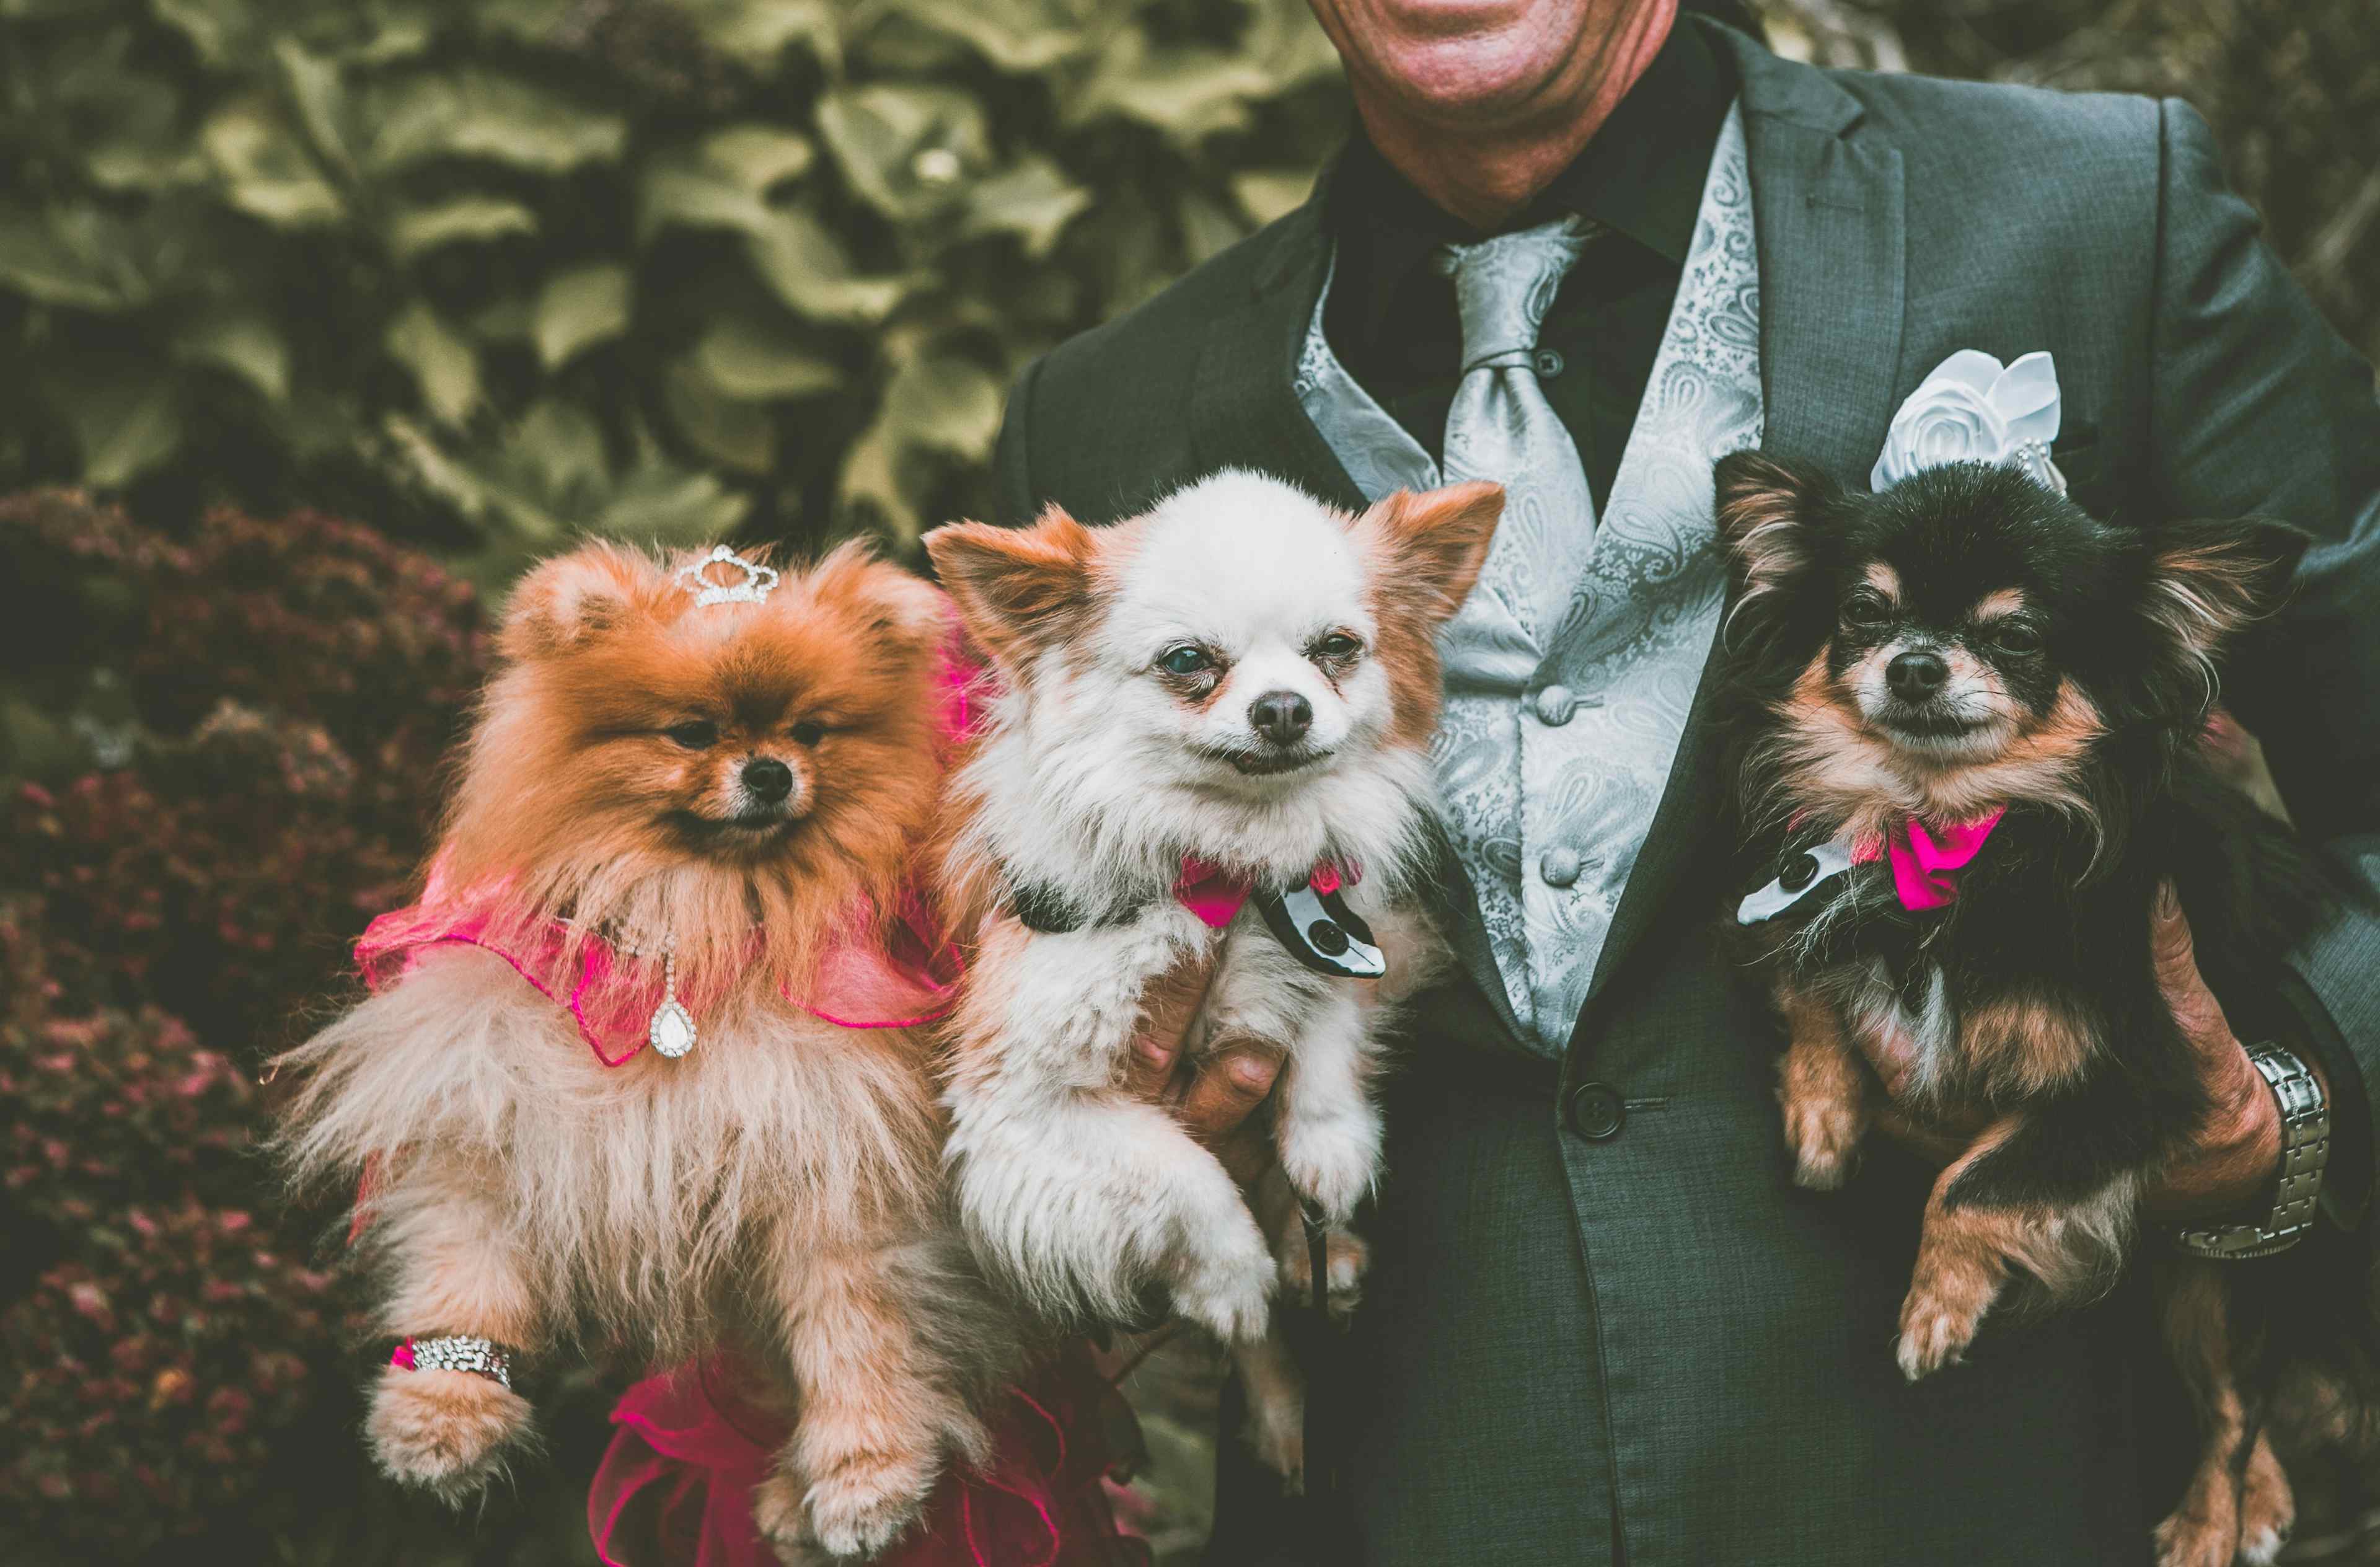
(1500, 426)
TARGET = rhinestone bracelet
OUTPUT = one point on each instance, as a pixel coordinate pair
(457, 1352)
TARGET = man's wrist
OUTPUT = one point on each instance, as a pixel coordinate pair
(2304, 1117)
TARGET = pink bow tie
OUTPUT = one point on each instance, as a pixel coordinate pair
(1215, 895)
(1926, 860)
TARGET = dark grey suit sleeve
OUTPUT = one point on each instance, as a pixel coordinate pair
(2258, 407)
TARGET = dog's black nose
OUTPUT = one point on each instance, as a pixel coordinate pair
(1281, 717)
(1916, 676)
(768, 781)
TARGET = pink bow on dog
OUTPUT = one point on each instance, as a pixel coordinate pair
(1926, 860)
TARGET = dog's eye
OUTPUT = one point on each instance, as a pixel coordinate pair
(1338, 645)
(2016, 636)
(1184, 659)
(695, 734)
(1866, 609)
(808, 731)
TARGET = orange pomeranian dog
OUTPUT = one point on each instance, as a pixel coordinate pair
(645, 1070)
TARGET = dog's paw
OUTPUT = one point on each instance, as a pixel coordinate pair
(2268, 1509)
(446, 1431)
(1228, 1292)
(863, 1502)
(1825, 1138)
(1346, 1259)
(783, 1516)
(1935, 1333)
(1277, 1435)
(1332, 1162)
(2195, 1538)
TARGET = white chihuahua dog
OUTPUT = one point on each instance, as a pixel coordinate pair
(1209, 737)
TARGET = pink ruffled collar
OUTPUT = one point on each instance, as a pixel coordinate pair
(904, 982)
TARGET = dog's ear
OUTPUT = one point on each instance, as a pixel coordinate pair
(1765, 510)
(1018, 590)
(2206, 580)
(571, 600)
(901, 608)
(1432, 544)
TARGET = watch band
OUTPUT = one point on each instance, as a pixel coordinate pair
(2305, 1149)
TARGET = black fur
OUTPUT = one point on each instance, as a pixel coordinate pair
(2058, 908)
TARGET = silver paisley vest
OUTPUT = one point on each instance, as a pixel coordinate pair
(1551, 774)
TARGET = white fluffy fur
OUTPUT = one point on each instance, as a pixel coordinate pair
(1094, 781)
(773, 1192)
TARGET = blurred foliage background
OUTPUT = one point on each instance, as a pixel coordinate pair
(329, 314)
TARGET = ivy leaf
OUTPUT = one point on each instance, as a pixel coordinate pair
(264, 168)
(1188, 91)
(1267, 195)
(1019, 36)
(472, 112)
(723, 181)
(741, 434)
(758, 156)
(758, 362)
(315, 86)
(1033, 200)
(807, 268)
(906, 149)
(579, 308)
(411, 230)
(73, 256)
(443, 363)
(248, 345)
(945, 404)
(124, 419)
(756, 31)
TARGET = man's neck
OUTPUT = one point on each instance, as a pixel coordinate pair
(1484, 175)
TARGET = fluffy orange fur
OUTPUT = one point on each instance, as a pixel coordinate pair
(775, 1192)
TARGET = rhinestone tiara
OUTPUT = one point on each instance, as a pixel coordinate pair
(757, 582)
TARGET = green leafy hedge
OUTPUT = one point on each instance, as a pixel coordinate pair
(488, 271)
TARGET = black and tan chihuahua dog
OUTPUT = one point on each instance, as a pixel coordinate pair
(1973, 759)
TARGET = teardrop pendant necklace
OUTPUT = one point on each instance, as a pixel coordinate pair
(671, 1031)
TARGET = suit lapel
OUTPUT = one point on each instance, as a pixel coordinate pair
(1244, 408)
(1827, 213)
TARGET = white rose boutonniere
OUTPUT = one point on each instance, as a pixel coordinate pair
(1973, 409)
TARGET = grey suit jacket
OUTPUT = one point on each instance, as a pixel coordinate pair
(1649, 1344)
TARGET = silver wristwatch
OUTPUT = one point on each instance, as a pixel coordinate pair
(2305, 1148)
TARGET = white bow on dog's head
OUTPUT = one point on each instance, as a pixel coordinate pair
(1973, 409)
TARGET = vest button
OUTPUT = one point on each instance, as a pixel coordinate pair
(1559, 867)
(1596, 1111)
(1555, 706)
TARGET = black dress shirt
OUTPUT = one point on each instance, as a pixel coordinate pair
(1391, 316)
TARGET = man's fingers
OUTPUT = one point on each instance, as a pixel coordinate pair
(2194, 1008)
(1165, 1014)
(2170, 944)
(1229, 1086)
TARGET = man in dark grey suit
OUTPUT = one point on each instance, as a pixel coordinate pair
(1601, 1323)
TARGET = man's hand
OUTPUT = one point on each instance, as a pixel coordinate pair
(2239, 1150)
(1213, 1097)
(2235, 1154)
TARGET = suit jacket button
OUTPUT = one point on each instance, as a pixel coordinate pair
(1596, 1111)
